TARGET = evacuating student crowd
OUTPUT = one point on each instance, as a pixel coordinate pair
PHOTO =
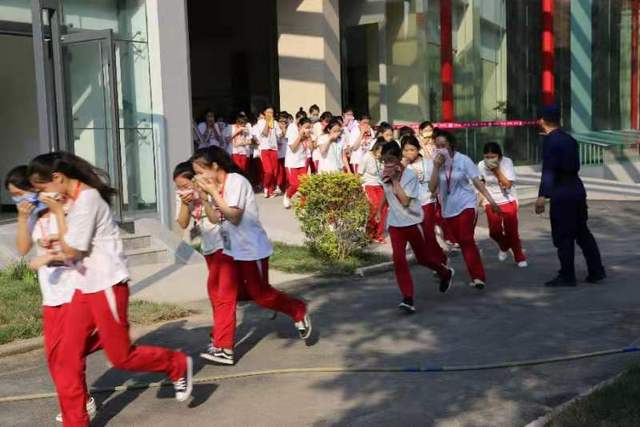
(421, 190)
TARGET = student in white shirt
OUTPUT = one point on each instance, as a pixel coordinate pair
(255, 164)
(92, 240)
(318, 130)
(268, 143)
(385, 130)
(284, 120)
(240, 140)
(314, 113)
(404, 223)
(361, 139)
(370, 169)
(423, 168)
(499, 176)
(37, 225)
(454, 176)
(299, 141)
(244, 240)
(330, 152)
(210, 132)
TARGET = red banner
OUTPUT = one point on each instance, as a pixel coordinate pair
(468, 125)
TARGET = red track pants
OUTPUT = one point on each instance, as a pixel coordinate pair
(504, 229)
(294, 175)
(375, 195)
(105, 311)
(269, 168)
(242, 161)
(446, 233)
(224, 276)
(429, 228)
(415, 237)
(462, 227)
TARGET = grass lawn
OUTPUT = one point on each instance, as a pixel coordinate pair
(617, 404)
(21, 311)
(298, 259)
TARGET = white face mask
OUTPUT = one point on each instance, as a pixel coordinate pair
(492, 163)
(444, 152)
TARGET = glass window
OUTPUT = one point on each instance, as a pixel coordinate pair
(127, 18)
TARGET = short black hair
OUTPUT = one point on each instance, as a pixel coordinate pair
(492, 148)
(391, 149)
(437, 132)
(19, 178)
(184, 169)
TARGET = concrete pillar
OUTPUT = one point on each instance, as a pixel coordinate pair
(309, 54)
(581, 76)
(171, 94)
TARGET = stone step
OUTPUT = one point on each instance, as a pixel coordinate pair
(135, 241)
(147, 255)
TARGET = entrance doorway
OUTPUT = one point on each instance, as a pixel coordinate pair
(233, 56)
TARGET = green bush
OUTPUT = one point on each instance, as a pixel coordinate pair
(332, 210)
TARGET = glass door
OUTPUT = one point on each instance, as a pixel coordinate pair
(89, 112)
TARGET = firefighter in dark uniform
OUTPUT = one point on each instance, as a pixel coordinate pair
(561, 184)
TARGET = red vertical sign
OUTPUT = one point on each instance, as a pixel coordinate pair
(548, 83)
(446, 60)
(634, 63)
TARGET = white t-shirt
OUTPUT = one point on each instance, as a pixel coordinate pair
(248, 240)
(500, 195)
(423, 168)
(268, 142)
(457, 192)
(91, 229)
(57, 284)
(365, 145)
(318, 131)
(209, 136)
(210, 233)
(370, 169)
(298, 158)
(401, 216)
(332, 160)
(282, 142)
(243, 150)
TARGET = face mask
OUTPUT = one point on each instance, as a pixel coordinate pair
(427, 134)
(314, 117)
(492, 163)
(391, 170)
(444, 152)
(30, 198)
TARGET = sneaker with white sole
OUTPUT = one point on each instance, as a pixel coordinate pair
(478, 284)
(218, 355)
(286, 202)
(277, 191)
(92, 410)
(523, 264)
(502, 256)
(304, 327)
(266, 193)
(184, 386)
(407, 306)
(445, 284)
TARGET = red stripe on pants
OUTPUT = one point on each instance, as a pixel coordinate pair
(504, 229)
(375, 195)
(281, 176)
(294, 175)
(462, 227)
(429, 228)
(413, 235)
(242, 161)
(255, 276)
(106, 311)
(269, 168)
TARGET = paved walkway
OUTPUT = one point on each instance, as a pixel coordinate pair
(357, 324)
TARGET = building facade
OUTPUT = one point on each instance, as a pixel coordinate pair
(120, 82)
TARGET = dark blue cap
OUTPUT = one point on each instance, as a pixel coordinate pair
(550, 113)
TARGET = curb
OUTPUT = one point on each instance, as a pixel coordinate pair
(545, 419)
(383, 267)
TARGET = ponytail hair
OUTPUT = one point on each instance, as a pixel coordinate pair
(210, 155)
(44, 166)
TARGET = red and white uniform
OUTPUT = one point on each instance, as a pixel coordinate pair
(268, 145)
(369, 169)
(404, 224)
(240, 146)
(459, 200)
(296, 162)
(210, 136)
(281, 174)
(503, 228)
(100, 302)
(366, 142)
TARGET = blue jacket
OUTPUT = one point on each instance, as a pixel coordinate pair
(560, 167)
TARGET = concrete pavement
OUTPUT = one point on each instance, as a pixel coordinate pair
(357, 324)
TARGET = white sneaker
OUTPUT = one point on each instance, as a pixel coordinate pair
(304, 327)
(286, 202)
(502, 256)
(184, 386)
(277, 191)
(92, 410)
(478, 284)
(523, 264)
(266, 193)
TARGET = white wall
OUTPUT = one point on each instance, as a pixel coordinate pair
(18, 113)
